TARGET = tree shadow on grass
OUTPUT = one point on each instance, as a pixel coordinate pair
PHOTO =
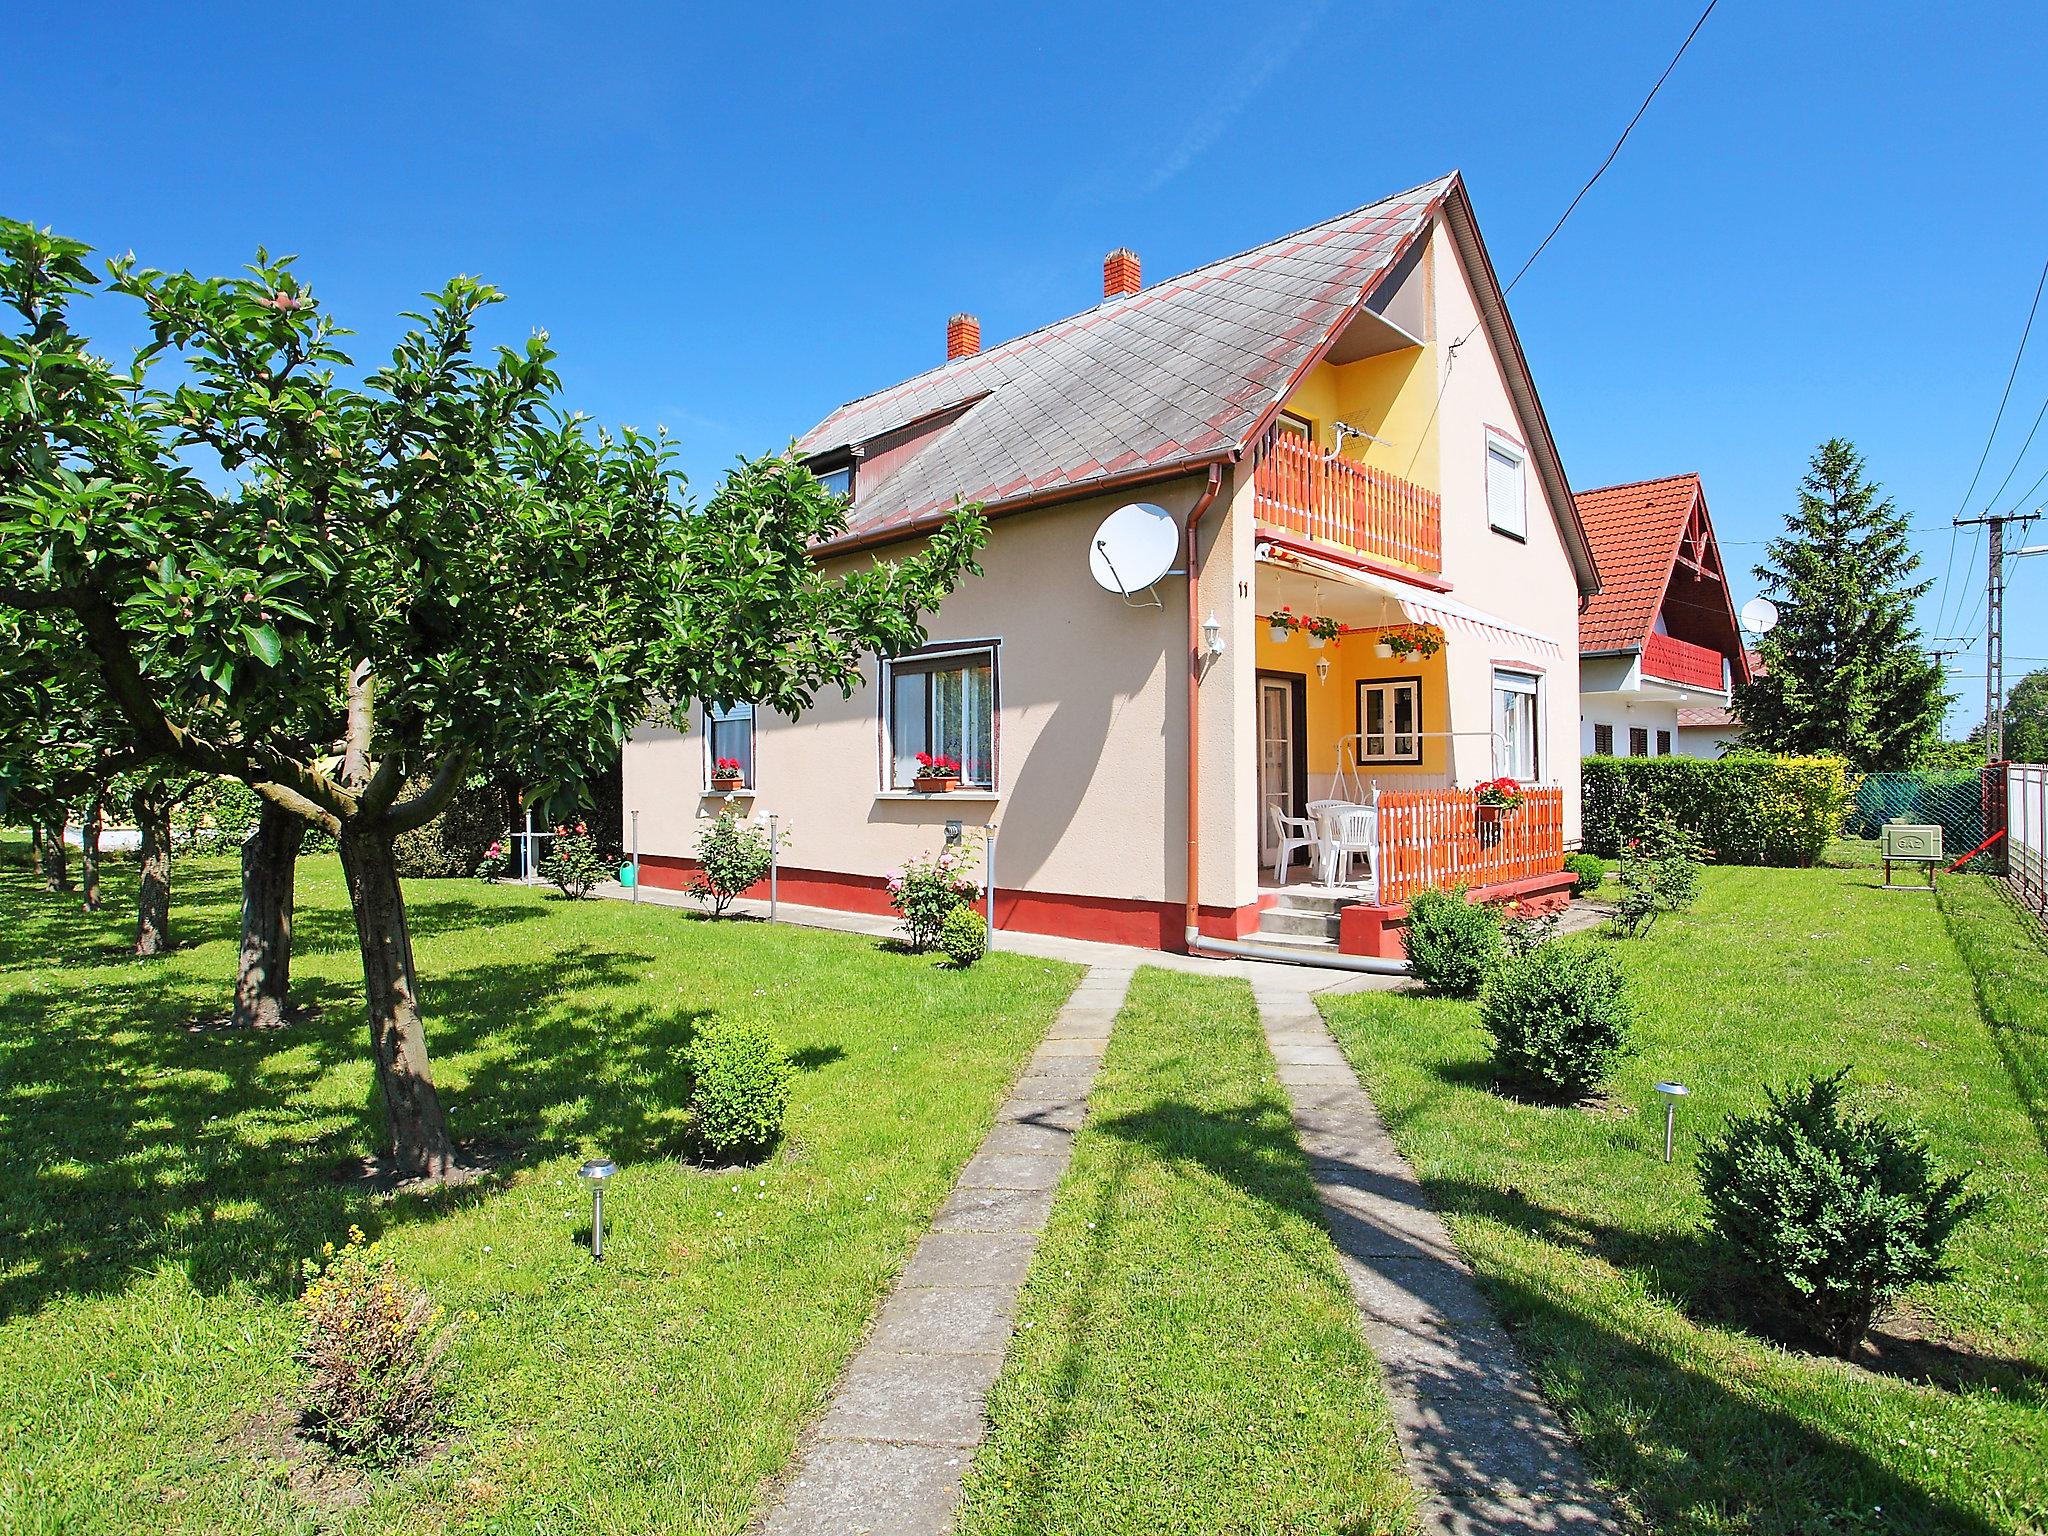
(42, 923)
(1713, 1454)
(129, 1141)
(2021, 1042)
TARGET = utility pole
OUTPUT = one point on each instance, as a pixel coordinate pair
(1994, 626)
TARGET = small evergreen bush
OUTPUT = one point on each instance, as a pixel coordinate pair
(926, 889)
(964, 936)
(732, 856)
(739, 1086)
(1587, 871)
(1452, 943)
(371, 1344)
(574, 866)
(1837, 1213)
(1559, 1017)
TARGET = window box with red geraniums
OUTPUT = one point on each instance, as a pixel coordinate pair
(936, 775)
(727, 773)
(1496, 797)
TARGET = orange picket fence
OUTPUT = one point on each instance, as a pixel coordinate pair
(1438, 838)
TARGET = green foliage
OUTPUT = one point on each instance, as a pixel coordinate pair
(739, 1086)
(1453, 944)
(1559, 1016)
(1660, 872)
(1961, 756)
(928, 888)
(1746, 808)
(496, 860)
(2025, 724)
(216, 816)
(1844, 670)
(574, 865)
(1587, 872)
(732, 856)
(454, 843)
(1836, 1212)
(964, 936)
(371, 1343)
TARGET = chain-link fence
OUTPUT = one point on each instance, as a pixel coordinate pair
(1952, 799)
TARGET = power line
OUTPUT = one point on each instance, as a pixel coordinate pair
(1990, 438)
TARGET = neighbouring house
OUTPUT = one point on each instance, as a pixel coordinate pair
(1338, 426)
(1659, 642)
(1708, 730)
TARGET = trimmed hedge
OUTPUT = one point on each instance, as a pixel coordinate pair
(1747, 808)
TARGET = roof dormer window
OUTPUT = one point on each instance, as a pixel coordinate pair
(838, 480)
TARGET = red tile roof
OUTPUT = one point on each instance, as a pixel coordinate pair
(1707, 717)
(1634, 531)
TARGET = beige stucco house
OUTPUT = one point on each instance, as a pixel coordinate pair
(1339, 424)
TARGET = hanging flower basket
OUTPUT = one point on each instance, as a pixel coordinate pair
(1384, 651)
(936, 775)
(1321, 630)
(1282, 623)
(1406, 640)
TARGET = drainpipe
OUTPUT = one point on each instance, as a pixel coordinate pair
(1196, 943)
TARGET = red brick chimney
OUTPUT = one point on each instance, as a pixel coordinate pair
(1120, 273)
(963, 337)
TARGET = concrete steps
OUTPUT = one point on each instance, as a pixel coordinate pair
(1306, 919)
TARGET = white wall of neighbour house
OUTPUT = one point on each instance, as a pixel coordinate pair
(1624, 712)
(1529, 583)
(1709, 741)
(1091, 730)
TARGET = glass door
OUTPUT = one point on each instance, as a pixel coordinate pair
(1276, 761)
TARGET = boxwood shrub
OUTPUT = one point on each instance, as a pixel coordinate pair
(1559, 1017)
(739, 1086)
(1587, 871)
(1452, 944)
(1747, 807)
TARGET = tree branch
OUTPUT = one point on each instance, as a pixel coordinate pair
(431, 801)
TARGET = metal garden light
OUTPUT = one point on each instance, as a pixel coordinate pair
(597, 1173)
(1672, 1092)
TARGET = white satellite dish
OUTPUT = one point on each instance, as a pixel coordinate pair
(1759, 615)
(1133, 548)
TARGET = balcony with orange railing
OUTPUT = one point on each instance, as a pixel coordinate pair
(1672, 660)
(1299, 489)
(1440, 838)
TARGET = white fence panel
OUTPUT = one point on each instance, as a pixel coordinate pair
(2026, 833)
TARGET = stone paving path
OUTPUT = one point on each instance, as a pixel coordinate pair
(895, 1441)
(1484, 1450)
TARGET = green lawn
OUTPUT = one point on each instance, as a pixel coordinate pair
(1636, 1327)
(1188, 1356)
(159, 1186)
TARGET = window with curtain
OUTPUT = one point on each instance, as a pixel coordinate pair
(1517, 725)
(1507, 506)
(944, 706)
(1390, 720)
(730, 733)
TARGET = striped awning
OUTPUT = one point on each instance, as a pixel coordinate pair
(1420, 604)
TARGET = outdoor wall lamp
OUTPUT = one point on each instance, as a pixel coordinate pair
(1322, 669)
(1672, 1092)
(597, 1173)
(1212, 635)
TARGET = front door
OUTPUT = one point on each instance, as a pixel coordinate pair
(1282, 703)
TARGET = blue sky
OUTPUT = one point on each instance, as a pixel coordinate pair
(732, 219)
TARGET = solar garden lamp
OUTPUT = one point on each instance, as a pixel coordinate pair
(1672, 1092)
(597, 1173)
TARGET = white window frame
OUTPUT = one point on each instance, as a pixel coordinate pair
(1499, 444)
(929, 661)
(1528, 684)
(713, 717)
(1389, 687)
(827, 476)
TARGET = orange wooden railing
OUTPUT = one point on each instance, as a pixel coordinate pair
(1334, 501)
(1680, 661)
(1434, 839)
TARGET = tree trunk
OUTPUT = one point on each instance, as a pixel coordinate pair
(89, 854)
(420, 1147)
(56, 857)
(263, 978)
(35, 848)
(153, 904)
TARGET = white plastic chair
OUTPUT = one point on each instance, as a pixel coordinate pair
(1291, 832)
(1355, 831)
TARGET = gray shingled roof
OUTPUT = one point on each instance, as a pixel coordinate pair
(1175, 373)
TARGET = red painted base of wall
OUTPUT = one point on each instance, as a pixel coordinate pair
(1380, 931)
(1103, 919)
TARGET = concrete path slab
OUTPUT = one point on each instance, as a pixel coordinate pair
(1486, 1453)
(888, 1455)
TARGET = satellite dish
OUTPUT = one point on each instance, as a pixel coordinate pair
(1759, 615)
(1133, 548)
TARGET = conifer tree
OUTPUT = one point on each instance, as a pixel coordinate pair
(1844, 670)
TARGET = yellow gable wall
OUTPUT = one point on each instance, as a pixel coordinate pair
(1333, 705)
(1390, 396)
